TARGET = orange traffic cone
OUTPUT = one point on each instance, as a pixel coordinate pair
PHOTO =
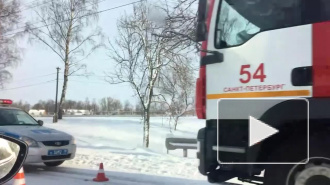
(100, 177)
(19, 178)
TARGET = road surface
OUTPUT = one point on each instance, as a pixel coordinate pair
(41, 175)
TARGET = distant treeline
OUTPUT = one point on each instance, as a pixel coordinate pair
(104, 106)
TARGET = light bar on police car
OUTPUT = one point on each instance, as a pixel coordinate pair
(6, 102)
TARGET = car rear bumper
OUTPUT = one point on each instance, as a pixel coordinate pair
(40, 154)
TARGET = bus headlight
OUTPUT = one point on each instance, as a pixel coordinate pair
(30, 142)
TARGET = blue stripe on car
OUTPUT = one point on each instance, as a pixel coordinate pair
(10, 134)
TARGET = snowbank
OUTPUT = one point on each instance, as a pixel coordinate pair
(117, 142)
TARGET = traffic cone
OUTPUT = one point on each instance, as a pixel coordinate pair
(19, 178)
(100, 177)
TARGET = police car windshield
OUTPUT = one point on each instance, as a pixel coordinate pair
(15, 117)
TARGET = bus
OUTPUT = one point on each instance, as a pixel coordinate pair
(267, 61)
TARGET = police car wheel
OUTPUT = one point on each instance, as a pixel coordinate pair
(316, 171)
(53, 164)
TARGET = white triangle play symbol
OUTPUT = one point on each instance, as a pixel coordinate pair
(259, 131)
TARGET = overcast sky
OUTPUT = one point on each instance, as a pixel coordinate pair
(38, 61)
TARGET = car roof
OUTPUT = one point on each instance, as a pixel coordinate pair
(9, 108)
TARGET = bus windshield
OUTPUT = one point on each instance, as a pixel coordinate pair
(239, 20)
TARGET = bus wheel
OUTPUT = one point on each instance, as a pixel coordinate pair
(315, 172)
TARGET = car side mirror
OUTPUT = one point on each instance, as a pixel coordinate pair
(13, 153)
(40, 122)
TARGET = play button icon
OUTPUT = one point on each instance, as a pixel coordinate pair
(259, 131)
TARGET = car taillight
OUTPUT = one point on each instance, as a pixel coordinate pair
(5, 102)
(201, 94)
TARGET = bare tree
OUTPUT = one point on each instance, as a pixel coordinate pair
(88, 105)
(182, 18)
(104, 105)
(10, 53)
(24, 106)
(95, 107)
(128, 106)
(138, 108)
(64, 27)
(50, 106)
(80, 105)
(180, 22)
(177, 89)
(40, 105)
(110, 104)
(69, 104)
(139, 56)
(117, 105)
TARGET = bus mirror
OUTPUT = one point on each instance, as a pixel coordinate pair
(212, 58)
(201, 32)
(202, 4)
(201, 19)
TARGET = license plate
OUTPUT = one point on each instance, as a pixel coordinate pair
(57, 152)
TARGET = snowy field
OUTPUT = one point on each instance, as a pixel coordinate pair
(117, 142)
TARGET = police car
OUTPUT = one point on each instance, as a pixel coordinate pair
(48, 146)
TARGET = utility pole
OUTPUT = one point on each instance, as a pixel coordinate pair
(56, 109)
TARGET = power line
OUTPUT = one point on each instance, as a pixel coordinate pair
(29, 3)
(86, 81)
(25, 79)
(85, 75)
(37, 22)
(89, 75)
(28, 85)
(35, 6)
(86, 15)
(24, 4)
(92, 82)
(31, 6)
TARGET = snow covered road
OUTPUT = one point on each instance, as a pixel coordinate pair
(117, 142)
(41, 175)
